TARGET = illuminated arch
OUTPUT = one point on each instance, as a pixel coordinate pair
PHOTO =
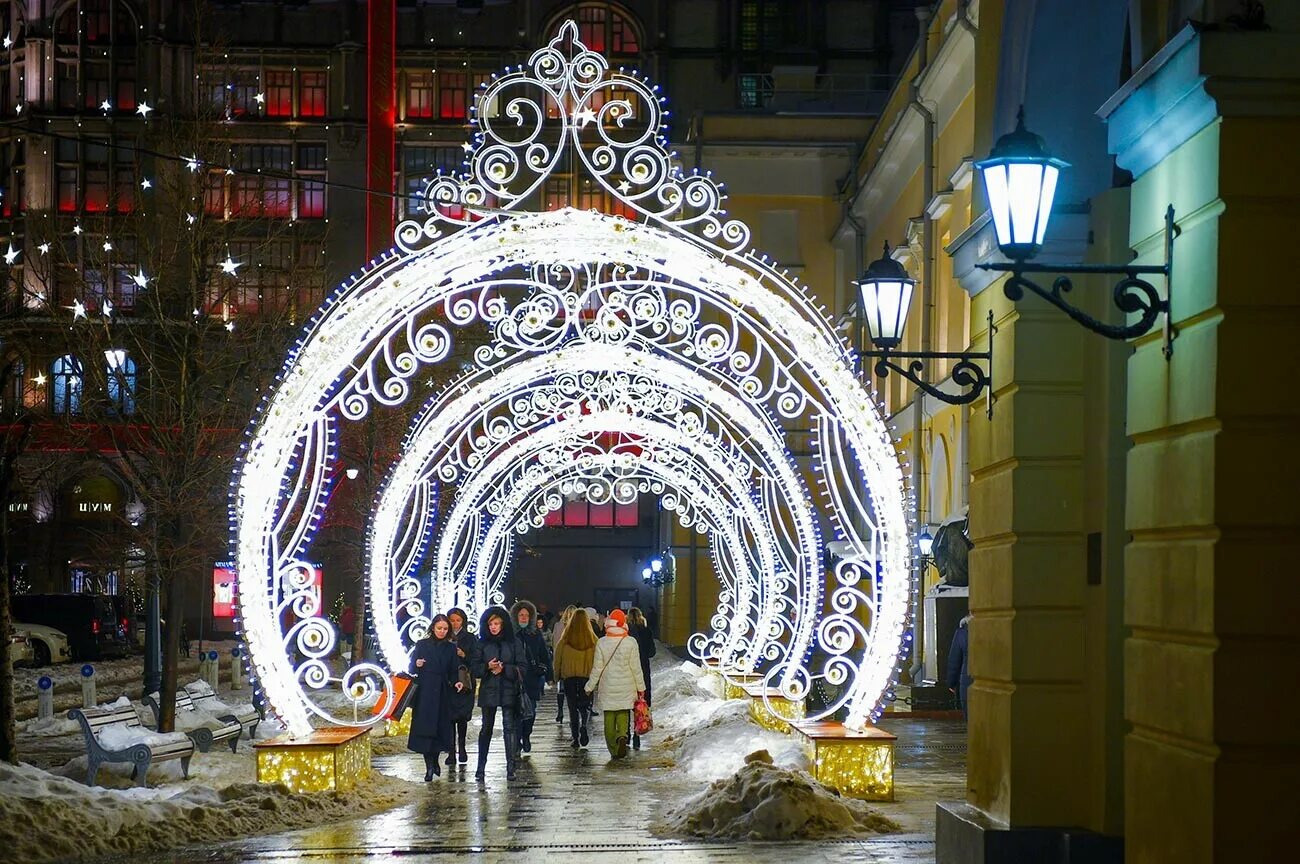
(737, 351)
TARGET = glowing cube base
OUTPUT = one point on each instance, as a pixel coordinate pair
(776, 712)
(398, 728)
(858, 764)
(333, 759)
(734, 684)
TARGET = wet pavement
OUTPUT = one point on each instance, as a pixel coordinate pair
(567, 803)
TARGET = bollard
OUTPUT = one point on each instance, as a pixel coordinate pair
(45, 698)
(213, 668)
(88, 686)
(236, 670)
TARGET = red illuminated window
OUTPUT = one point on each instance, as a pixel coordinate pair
(95, 87)
(96, 190)
(311, 199)
(419, 94)
(125, 98)
(453, 95)
(580, 514)
(279, 93)
(311, 94)
(607, 31)
(67, 190)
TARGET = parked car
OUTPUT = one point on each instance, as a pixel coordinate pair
(89, 620)
(48, 645)
(20, 650)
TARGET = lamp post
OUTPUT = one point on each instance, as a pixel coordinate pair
(884, 299)
(1020, 178)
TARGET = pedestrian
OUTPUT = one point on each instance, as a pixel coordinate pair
(185, 639)
(499, 668)
(597, 624)
(958, 656)
(462, 701)
(348, 627)
(574, 654)
(557, 633)
(639, 629)
(435, 666)
(536, 667)
(616, 680)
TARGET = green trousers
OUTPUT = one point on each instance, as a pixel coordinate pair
(618, 726)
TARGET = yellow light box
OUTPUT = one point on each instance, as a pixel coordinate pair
(334, 759)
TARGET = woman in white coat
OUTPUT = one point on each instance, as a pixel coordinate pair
(616, 680)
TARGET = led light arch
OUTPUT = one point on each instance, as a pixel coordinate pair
(563, 291)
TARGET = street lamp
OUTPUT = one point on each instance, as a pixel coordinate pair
(1020, 178)
(884, 299)
(656, 565)
(646, 574)
(925, 543)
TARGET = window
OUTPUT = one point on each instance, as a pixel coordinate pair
(765, 26)
(65, 380)
(556, 194)
(279, 93)
(120, 380)
(579, 513)
(453, 95)
(419, 95)
(419, 163)
(606, 30)
(66, 87)
(260, 185)
(124, 87)
(310, 169)
(311, 93)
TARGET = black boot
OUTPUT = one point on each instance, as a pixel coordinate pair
(431, 766)
(636, 741)
(481, 771)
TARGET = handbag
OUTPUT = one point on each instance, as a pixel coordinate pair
(642, 722)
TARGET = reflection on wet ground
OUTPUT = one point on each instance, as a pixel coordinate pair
(567, 803)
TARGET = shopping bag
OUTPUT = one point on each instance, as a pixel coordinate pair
(642, 722)
(404, 688)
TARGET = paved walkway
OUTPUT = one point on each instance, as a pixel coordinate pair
(567, 804)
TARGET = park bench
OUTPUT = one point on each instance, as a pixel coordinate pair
(247, 716)
(139, 755)
(203, 737)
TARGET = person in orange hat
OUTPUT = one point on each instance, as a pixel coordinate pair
(617, 681)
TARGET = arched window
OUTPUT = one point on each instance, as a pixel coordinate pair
(604, 28)
(66, 378)
(121, 382)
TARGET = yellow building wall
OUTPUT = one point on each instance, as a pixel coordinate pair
(1212, 508)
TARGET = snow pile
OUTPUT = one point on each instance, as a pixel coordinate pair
(764, 802)
(45, 817)
(211, 702)
(51, 728)
(119, 737)
(709, 735)
(714, 745)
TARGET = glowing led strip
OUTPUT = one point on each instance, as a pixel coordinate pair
(364, 347)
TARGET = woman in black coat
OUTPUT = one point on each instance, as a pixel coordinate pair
(462, 702)
(499, 667)
(524, 616)
(435, 667)
(639, 629)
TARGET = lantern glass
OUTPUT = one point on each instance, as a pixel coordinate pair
(1020, 179)
(885, 294)
(925, 543)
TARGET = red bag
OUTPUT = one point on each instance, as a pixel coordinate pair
(642, 722)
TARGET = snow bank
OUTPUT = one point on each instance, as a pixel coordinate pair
(709, 736)
(764, 802)
(45, 817)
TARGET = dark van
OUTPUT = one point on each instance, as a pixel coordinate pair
(95, 631)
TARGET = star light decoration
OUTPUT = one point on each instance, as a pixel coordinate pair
(230, 265)
(647, 356)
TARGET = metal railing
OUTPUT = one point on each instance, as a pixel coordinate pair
(828, 93)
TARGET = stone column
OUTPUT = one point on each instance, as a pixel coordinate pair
(1210, 125)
